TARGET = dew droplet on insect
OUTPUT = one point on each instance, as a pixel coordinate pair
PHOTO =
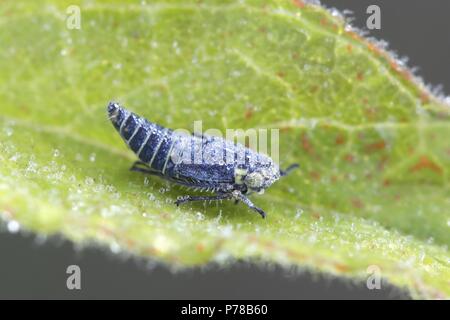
(146, 181)
(13, 226)
(151, 197)
(92, 157)
(56, 153)
(64, 52)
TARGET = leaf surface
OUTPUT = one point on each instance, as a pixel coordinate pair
(372, 142)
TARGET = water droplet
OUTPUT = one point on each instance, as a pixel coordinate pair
(89, 181)
(162, 243)
(114, 247)
(9, 131)
(31, 167)
(227, 231)
(298, 213)
(13, 226)
(64, 52)
(92, 157)
(56, 153)
(15, 157)
(199, 216)
(176, 47)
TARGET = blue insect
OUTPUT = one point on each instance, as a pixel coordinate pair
(229, 170)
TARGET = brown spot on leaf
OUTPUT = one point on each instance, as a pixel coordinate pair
(281, 74)
(306, 144)
(299, 3)
(341, 267)
(248, 113)
(376, 146)
(340, 140)
(424, 97)
(314, 89)
(324, 22)
(426, 163)
(349, 158)
(360, 76)
(357, 203)
(315, 175)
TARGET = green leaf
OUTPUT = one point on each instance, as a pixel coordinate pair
(373, 188)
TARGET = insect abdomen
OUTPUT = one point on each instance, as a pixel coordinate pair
(150, 142)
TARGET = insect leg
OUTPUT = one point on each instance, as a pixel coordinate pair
(220, 196)
(250, 204)
(289, 169)
(140, 166)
